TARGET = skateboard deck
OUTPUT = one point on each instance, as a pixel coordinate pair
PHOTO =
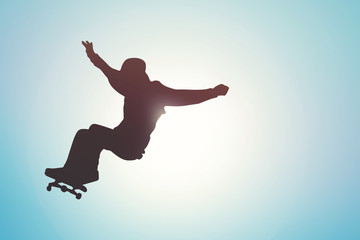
(64, 188)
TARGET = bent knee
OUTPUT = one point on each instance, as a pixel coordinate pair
(82, 132)
(97, 128)
(94, 126)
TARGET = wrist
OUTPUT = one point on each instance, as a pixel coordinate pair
(214, 93)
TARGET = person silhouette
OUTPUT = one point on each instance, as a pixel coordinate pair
(143, 105)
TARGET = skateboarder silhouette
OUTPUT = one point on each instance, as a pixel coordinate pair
(143, 105)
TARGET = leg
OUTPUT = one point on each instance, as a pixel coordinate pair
(87, 146)
(81, 165)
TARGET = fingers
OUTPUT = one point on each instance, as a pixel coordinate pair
(226, 89)
(221, 89)
(87, 44)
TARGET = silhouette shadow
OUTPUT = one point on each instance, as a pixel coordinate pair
(143, 105)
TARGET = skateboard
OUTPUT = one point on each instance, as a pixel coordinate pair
(64, 188)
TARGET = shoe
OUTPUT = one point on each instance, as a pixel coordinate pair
(56, 173)
(72, 176)
(85, 176)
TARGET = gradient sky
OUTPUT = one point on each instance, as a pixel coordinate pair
(277, 158)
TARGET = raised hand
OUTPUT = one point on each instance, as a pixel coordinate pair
(221, 89)
(89, 47)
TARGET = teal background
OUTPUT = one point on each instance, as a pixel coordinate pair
(277, 158)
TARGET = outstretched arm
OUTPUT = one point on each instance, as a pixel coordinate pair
(109, 72)
(98, 61)
(174, 97)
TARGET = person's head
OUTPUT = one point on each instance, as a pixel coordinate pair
(134, 66)
(133, 70)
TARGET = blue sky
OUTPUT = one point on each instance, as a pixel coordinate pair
(277, 158)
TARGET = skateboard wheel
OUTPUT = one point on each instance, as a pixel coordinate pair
(78, 196)
(63, 188)
(48, 188)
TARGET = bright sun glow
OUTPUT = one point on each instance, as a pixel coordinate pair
(184, 156)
